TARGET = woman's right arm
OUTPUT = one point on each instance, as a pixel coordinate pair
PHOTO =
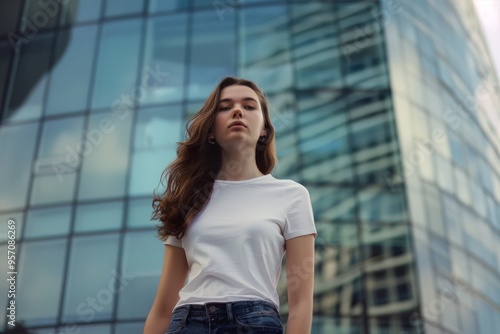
(173, 277)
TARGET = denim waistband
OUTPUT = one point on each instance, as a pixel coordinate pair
(227, 308)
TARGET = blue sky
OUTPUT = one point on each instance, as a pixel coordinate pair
(489, 15)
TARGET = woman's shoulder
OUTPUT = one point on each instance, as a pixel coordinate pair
(290, 185)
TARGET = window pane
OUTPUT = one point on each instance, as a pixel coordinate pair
(157, 131)
(48, 222)
(324, 144)
(105, 161)
(129, 328)
(316, 56)
(29, 79)
(284, 118)
(92, 275)
(41, 265)
(99, 217)
(9, 16)
(172, 5)
(80, 11)
(58, 160)
(117, 64)
(6, 56)
(39, 15)
(95, 329)
(75, 49)
(123, 7)
(212, 52)
(139, 213)
(136, 300)
(163, 71)
(264, 50)
(16, 154)
(364, 64)
(382, 206)
(341, 243)
(333, 203)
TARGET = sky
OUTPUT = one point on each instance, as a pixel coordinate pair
(489, 15)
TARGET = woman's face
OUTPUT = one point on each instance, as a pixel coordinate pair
(238, 103)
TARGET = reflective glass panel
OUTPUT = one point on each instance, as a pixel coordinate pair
(70, 77)
(39, 15)
(58, 160)
(164, 64)
(171, 5)
(139, 213)
(213, 52)
(382, 206)
(43, 260)
(333, 203)
(338, 248)
(95, 329)
(385, 241)
(315, 38)
(99, 216)
(106, 153)
(324, 142)
(9, 16)
(46, 222)
(16, 153)
(6, 56)
(135, 301)
(264, 54)
(92, 278)
(80, 11)
(129, 328)
(157, 131)
(28, 84)
(444, 173)
(116, 72)
(457, 151)
(284, 119)
(328, 324)
(435, 219)
(364, 62)
(123, 7)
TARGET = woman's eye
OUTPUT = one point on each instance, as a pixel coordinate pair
(224, 108)
(250, 107)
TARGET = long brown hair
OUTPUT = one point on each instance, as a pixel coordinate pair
(190, 177)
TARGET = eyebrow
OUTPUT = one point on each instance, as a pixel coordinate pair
(244, 99)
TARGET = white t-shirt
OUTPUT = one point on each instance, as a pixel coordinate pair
(235, 245)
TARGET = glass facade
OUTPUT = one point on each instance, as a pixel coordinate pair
(446, 101)
(383, 109)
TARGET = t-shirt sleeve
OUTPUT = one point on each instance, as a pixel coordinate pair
(172, 240)
(299, 214)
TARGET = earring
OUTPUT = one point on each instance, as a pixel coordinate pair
(262, 139)
(211, 140)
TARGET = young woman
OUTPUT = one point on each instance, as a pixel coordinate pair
(227, 222)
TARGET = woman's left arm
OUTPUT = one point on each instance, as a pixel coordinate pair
(300, 283)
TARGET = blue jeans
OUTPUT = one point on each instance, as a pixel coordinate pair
(241, 317)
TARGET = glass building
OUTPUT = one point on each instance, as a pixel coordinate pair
(386, 110)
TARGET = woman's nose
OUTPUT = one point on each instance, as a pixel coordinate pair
(237, 110)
